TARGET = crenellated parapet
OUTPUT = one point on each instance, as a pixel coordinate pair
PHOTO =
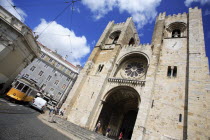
(177, 16)
(161, 16)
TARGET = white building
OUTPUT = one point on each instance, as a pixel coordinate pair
(18, 48)
(54, 75)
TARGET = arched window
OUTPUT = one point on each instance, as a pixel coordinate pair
(176, 33)
(115, 40)
(131, 42)
(176, 30)
(114, 37)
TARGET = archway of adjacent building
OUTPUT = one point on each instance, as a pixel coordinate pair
(119, 112)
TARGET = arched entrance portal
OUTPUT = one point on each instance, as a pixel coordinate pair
(119, 111)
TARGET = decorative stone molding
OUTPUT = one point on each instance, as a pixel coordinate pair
(126, 81)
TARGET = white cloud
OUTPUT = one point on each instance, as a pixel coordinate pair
(18, 13)
(56, 37)
(189, 2)
(142, 11)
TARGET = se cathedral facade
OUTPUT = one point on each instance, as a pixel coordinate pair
(148, 91)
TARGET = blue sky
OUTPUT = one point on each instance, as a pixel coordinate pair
(76, 33)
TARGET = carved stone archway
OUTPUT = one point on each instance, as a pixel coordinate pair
(119, 112)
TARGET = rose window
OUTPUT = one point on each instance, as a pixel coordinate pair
(134, 69)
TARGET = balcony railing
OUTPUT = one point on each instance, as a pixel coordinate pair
(126, 81)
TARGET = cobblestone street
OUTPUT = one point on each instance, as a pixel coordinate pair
(20, 122)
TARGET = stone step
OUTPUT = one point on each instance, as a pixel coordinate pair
(78, 131)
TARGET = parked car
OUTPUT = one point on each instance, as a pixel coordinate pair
(39, 103)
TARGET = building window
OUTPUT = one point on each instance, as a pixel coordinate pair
(32, 68)
(45, 65)
(26, 75)
(58, 64)
(64, 86)
(53, 70)
(56, 82)
(61, 75)
(64, 69)
(38, 61)
(51, 91)
(67, 79)
(43, 86)
(50, 60)
(49, 77)
(43, 55)
(172, 71)
(40, 73)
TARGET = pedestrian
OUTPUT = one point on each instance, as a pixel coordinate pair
(120, 136)
(51, 117)
(107, 131)
(50, 110)
(98, 126)
(61, 113)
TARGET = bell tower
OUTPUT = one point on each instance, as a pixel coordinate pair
(86, 93)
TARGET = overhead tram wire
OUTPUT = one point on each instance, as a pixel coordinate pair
(36, 5)
(72, 2)
(54, 19)
(70, 25)
(13, 6)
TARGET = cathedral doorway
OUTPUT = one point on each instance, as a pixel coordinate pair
(119, 111)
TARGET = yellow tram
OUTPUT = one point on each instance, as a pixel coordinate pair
(23, 90)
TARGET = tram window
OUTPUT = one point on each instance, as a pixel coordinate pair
(25, 89)
(29, 90)
(20, 86)
(16, 84)
(33, 93)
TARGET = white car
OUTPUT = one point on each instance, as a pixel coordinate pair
(39, 103)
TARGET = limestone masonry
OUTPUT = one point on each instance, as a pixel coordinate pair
(157, 91)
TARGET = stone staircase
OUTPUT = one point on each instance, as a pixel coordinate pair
(77, 131)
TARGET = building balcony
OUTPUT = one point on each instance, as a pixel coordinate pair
(126, 81)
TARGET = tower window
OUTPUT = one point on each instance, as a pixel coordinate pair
(175, 71)
(172, 71)
(180, 117)
(115, 40)
(131, 42)
(114, 37)
(100, 68)
(176, 33)
(169, 71)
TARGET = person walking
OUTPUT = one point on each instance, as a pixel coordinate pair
(98, 126)
(120, 136)
(107, 131)
(51, 117)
